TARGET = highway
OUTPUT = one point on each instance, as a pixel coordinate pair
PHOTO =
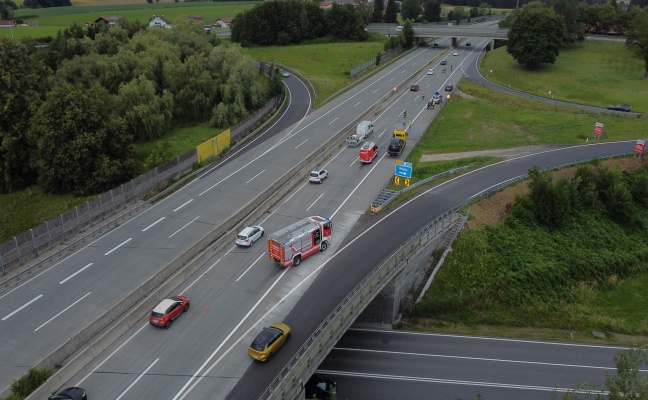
(203, 355)
(235, 288)
(383, 364)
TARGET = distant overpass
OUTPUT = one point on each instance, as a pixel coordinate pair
(437, 30)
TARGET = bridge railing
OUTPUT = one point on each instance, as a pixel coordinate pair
(290, 381)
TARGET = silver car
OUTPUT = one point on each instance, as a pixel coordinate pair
(249, 235)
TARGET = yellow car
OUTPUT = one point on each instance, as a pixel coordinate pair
(269, 341)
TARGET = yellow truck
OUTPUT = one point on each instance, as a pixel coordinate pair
(400, 131)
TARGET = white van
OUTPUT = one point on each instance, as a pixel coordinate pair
(364, 129)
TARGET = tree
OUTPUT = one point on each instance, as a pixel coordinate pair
(391, 12)
(535, 36)
(410, 9)
(7, 8)
(379, 9)
(23, 85)
(408, 33)
(637, 38)
(82, 145)
(432, 11)
(147, 116)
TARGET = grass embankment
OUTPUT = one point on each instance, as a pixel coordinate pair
(593, 72)
(517, 277)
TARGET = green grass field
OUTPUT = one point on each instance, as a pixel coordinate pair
(594, 72)
(51, 20)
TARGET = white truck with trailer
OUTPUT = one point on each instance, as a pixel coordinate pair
(363, 130)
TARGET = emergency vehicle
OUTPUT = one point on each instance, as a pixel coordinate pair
(295, 242)
(368, 152)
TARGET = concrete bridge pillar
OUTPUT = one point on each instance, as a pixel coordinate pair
(454, 42)
(492, 44)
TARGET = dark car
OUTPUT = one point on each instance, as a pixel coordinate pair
(320, 388)
(449, 88)
(467, 44)
(71, 393)
(414, 88)
(443, 62)
(435, 45)
(396, 147)
(620, 107)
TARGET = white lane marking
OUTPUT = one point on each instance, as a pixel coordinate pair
(301, 143)
(381, 133)
(66, 308)
(459, 382)
(357, 186)
(475, 358)
(153, 224)
(110, 356)
(356, 104)
(336, 118)
(74, 274)
(208, 269)
(119, 245)
(313, 203)
(390, 80)
(185, 225)
(255, 176)
(248, 268)
(23, 306)
(376, 90)
(594, 346)
(213, 354)
(184, 204)
(354, 161)
(138, 378)
(293, 132)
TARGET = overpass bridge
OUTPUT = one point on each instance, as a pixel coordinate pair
(438, 30)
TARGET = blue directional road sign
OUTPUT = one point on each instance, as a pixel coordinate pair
(404, 170)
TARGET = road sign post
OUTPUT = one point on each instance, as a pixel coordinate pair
(639, 147)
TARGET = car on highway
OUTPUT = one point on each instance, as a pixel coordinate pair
(620, 107)
(443, 62)
(396, 147)
(249, 235)
(467, 44)
(71, 393)
(318, 387)
(269, 341)
(168, 310)
(436, 98)
(399, 28)
(414, 88)
(449, 88)
(435, 45)
(285, 74)
(456, 53)
(318, 175)
(430, 71)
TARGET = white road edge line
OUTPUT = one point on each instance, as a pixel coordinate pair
(296, 147)
(313, 203)
(66, 308)
(251, 179)
(183, 204)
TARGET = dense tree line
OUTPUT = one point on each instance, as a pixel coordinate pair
(46, 3)
(73, 110)
(7, 8)
(292, 21)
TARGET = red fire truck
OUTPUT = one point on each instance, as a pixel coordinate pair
(295, 242)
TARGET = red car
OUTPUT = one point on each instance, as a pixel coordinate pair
(168, 310)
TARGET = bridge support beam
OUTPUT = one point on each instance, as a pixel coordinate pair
(454, 42)
(492, 44)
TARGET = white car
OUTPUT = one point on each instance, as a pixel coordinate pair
(430, 71)
(249, 235)
(456, 53)
(399, 28)
(317, 175)
(285, 74)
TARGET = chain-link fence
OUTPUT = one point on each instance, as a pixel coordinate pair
(355, 71)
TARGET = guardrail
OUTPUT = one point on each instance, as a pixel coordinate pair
(288, 383)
